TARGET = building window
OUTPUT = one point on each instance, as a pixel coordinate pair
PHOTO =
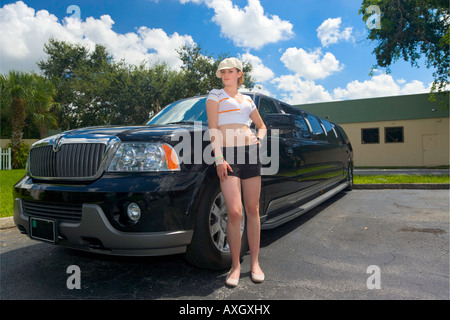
(371, 135)
(393, 134)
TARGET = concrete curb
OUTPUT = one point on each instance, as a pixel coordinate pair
(416, 186)
(7, 222)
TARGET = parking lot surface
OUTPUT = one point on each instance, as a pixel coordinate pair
(363, 244)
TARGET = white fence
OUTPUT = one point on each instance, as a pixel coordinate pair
(5, 159)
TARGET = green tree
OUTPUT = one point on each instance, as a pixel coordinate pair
(93, 89)
(80, 78)
(43, 110)
(200, 71)
(412, 29)
(138, 91)
(17, 92)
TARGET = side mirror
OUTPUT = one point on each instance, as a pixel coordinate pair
(280, 121)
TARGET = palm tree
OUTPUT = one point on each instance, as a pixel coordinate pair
(17, 92)
(43, 108)
(25, 94)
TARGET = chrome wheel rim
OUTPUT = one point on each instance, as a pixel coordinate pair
(218, 219)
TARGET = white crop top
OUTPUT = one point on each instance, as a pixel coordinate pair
(231, 111)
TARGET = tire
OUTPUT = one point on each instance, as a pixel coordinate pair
(209, 247)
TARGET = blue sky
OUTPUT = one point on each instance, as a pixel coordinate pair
(303, 51)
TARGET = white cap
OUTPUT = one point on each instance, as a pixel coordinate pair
(228, 63)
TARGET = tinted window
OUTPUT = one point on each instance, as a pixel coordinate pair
(343, 136)
(316, 128)
(266, 106)
(332, 135)
(301, 128)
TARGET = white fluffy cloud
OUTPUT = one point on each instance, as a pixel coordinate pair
(379, 86)
(298, 91)
(24, 32)
(249, 27)
(260, 72)
(310, 65)
(329, 32)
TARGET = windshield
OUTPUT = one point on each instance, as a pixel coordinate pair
(188, 110)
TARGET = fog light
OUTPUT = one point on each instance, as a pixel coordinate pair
(134, 212)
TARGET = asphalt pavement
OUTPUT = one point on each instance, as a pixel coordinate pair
(359, 245)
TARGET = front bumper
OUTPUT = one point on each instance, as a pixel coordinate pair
(95, 233)
(165, 226)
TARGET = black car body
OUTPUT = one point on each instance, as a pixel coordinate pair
(133, 190)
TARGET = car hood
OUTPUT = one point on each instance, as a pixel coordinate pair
(106, 134)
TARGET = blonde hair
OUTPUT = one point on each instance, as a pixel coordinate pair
(241, 79)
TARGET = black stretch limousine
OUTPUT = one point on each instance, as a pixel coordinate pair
(153, 189)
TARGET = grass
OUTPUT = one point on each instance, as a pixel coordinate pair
(8, 179)
(358, 179)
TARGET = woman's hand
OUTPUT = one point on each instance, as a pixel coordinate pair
(222, 170)
(254, 139)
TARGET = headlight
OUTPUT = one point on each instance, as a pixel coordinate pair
(144, 157)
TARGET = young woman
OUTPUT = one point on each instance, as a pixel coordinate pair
(229, 113)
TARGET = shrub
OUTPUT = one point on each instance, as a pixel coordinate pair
(19, 158)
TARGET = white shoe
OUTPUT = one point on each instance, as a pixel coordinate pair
(258, 278)
(231, 282)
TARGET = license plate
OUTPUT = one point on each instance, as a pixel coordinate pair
(43, 229)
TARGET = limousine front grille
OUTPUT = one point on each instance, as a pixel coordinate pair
(73, 160)
(60, 212)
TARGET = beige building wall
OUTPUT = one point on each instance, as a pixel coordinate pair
(426, 143)
(4, 142)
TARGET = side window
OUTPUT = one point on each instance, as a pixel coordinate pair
(316, 128)
(343, 136)
(266, 106)
(332, 135)
(301, 128)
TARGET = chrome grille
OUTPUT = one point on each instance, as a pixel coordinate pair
(73, 160)
(61, 212)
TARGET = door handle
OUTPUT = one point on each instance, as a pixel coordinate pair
(289, 151)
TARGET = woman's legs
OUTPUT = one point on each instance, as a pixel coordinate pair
(251, 190)
(231, 190)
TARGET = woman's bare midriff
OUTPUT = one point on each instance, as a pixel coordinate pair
(235, 135)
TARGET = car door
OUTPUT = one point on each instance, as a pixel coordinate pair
(298, 148)
(315, 150)
(322, 157)
(276, 184)
(336, 151)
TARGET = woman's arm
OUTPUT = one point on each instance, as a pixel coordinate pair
(259, 123)
(212, 110)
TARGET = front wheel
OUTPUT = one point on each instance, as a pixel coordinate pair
(209, 246)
